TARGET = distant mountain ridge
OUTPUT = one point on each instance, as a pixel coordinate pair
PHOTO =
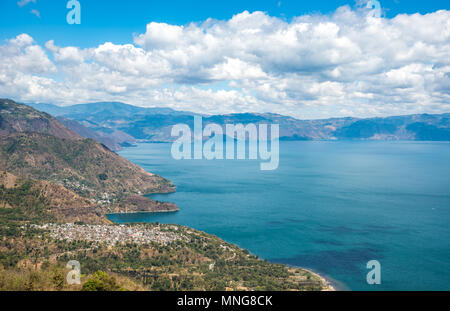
(155, 124)
(107, 109)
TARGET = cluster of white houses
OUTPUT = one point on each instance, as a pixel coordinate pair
(112, 234)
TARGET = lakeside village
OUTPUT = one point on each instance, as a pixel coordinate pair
(112, 234)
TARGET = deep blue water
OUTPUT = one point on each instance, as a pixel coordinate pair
(330, 206)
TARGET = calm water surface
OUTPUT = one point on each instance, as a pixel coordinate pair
(330, 206)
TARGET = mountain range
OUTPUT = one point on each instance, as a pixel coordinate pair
(118, 124)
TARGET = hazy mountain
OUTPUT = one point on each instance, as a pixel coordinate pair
(113, 139)
(104, 110)
(155, 124)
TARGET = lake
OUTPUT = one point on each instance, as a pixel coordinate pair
(330, 207)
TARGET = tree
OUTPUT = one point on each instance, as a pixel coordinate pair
(58, 279)
(101, 281)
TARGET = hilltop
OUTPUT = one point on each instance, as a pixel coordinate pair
(16, 118)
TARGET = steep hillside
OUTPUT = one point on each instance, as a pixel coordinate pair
(41, 201)
(17, 118)
(83, 166)
(36, 146)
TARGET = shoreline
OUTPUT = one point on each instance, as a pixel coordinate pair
(329, 283)
(329, 286)
(143, 212)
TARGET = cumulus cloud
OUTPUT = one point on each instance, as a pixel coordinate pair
(345, 63)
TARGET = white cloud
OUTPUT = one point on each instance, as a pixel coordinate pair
(22, 3)
(346, 63)
(36, 13)
(68, 55)
(20, 56)
(160, 35)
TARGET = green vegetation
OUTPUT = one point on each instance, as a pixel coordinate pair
(21, 205)
(202, 262)
(29, 257)
(101, 281)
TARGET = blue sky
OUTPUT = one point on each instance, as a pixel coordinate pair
(116, 21)
(307, 59)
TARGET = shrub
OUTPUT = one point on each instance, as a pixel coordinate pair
(101, 281)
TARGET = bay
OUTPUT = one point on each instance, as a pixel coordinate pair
(330, 207)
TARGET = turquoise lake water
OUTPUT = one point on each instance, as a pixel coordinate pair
(330, 207)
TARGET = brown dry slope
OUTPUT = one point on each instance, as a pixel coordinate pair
(17, 118)
(48, 199)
